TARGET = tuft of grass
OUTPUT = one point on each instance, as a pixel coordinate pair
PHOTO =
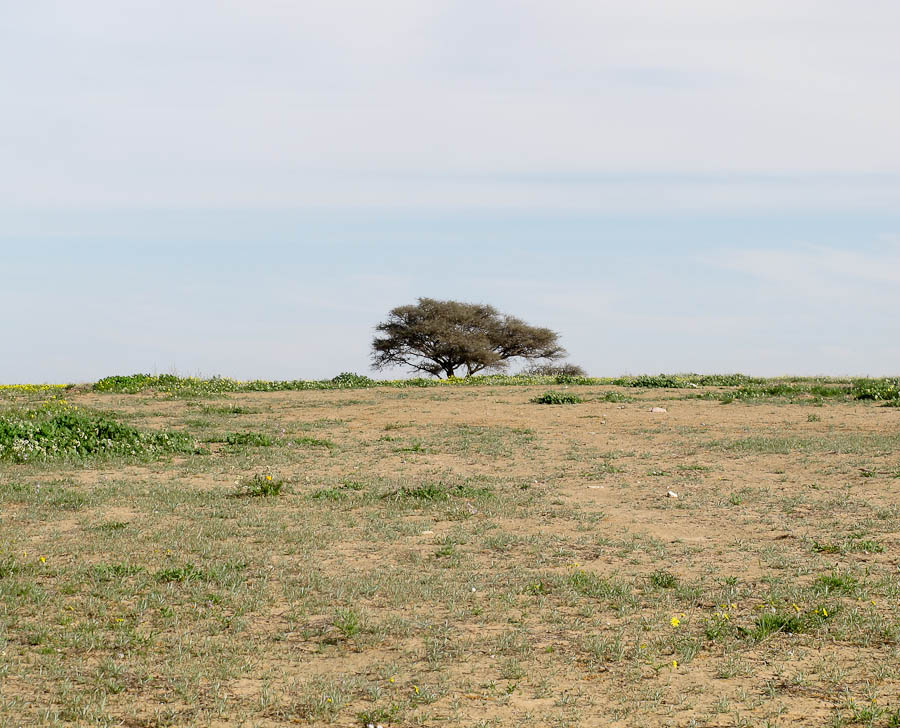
(588, 584)
(557, 398)
(116, 572)
(252, 439)
(314, 442)
(826, 583)
(775, 622)
(852, 544)
(341, 492)
(438, 492)
(348, 623)
(188, 572)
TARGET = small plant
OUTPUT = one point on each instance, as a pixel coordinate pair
(663, 579)
(557, 398)
(348, 623)
(376, 716)
(261, 486)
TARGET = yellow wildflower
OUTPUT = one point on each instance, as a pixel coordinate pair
(675, 621)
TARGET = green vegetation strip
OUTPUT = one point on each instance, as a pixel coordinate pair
(58, 430)
(884, 389)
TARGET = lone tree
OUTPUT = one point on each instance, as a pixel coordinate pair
(439, 337)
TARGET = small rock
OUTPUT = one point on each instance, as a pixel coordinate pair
(671, 494)
(427, 533)
(657, 409)
(595, 487)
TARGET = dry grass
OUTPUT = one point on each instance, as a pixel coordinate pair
(461, 558)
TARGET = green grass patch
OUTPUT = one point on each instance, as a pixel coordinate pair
(58, 430)
(426, 492)
(314, 442)
(798, 622)
(252, 439)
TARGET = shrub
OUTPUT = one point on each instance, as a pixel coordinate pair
(557, 398)
(351, 379)
(555, 370)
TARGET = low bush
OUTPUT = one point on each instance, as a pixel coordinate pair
(260, 486)
(555, 370)
(351, 380)
(557, 398)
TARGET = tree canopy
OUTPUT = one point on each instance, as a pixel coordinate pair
(441, 337)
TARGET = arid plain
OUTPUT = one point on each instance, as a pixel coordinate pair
(458, 556)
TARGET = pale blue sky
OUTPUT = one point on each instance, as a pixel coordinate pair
(245, 189)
